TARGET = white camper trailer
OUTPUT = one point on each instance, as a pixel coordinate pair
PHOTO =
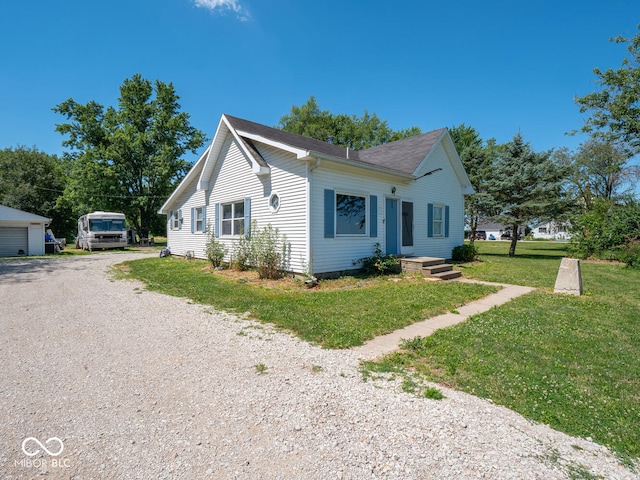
(101, 230)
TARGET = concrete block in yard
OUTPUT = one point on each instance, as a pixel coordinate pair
(569, 279)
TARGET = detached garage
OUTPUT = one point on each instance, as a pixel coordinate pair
(21, 233)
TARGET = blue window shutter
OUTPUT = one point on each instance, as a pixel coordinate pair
(180, 219)
(193, 220)
(247, 216)
(216, 228)
(329, 213)
(446, 220)
(430, 220)
(373, 229)
(171, 214)
(204, 218)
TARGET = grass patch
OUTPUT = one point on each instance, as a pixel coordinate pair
(535, 264)
(341, 314)
(570, 362)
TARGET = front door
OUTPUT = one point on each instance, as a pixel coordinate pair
(391, 226)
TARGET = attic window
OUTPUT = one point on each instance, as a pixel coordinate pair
(274, 202)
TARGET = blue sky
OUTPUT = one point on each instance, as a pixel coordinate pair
(498, 66)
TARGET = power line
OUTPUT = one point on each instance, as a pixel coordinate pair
(102, 195)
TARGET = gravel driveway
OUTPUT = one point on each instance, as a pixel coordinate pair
(135, 384)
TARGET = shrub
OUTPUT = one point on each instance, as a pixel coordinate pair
(215, 250)
(629, 253)
(242, 254)
(604, 230)
(265, 250)
(269, 252)
(378, 264)
(464, 253)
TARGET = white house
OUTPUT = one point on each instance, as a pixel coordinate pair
(21, 233)
(494, 231)
(552, 231)
(332, 203)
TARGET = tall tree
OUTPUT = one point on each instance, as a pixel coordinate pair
(128, 158)
(525, 186)
(33, 181)
(477, 157)
(599, 170)
(615, 107)
(346, 130)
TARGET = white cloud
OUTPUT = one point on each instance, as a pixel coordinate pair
(222, 6)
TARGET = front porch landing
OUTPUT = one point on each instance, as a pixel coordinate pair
(431, 267)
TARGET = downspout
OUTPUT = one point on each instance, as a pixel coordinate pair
(309, 247)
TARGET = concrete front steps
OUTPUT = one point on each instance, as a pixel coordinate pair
(430, 267)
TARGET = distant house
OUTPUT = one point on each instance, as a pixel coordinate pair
(552, 231)
(496, 229)
(21, 233)
(332, 203)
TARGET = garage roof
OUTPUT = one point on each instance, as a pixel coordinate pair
(15, 215)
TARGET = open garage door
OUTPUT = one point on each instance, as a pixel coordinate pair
(14, 241)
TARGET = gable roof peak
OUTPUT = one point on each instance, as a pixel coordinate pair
(403, 156)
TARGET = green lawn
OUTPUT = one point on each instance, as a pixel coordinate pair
(339, 314)
(494, 264)
(570, 362)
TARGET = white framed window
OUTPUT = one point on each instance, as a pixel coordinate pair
(199, 213)
(232, 222)
(351, 214)
(176, 220)
(274, 202)
(438, 220)
(198, 219)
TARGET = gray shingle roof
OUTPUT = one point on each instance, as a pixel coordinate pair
(402, 155)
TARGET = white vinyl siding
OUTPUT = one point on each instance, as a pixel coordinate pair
(442, 189)
(182, 240)
(333, 252)
(338, 253)
(233, 180)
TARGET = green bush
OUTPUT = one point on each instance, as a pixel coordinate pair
(270, 252)
(265, 250)
(629, 253)
(242, 254)
(215, 250)
(378, 264)
(464, 253)
(603, 231)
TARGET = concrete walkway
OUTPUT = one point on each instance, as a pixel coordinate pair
(390, 342)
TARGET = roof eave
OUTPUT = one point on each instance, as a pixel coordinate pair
(188, 177)
(298, 152)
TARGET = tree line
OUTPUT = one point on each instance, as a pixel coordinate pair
(129, 158)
